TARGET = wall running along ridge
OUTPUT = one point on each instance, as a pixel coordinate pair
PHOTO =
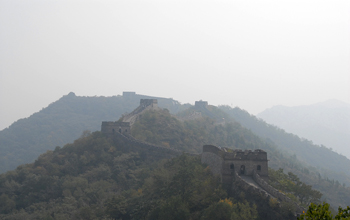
(274, 192)
(145, 104)
(220, 161)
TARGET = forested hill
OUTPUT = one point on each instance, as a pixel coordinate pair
(163, 129)
(66, 119)
(62, 122)
(97, 177)
(331, 164)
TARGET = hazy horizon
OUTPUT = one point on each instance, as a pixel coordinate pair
(254, 54)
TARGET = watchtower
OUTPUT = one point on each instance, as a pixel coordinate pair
(128, 94)
(201, 104)
(110, 127)
(149, 102)
(224, 162)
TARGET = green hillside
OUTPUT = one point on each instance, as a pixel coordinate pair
(62, 122)
(161, 128)
(66, 119)
(100, 178)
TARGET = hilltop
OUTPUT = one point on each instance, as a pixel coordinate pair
(66, 119)
(107, 177)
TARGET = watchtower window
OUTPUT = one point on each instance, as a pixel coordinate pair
(113, 131)
(242, 170)
(258, 167)
(232, 166)
(126, 130)
(120, 130)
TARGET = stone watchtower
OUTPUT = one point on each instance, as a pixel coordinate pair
(224, 162)
(129, 94)
(112, 127)
(124, 126)
(201, 104)
(153, 103)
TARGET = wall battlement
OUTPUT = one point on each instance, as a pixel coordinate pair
(224, 162)
(232, 165)
(124, 127)
(129, 94)
(112, 127)
(149, 102)
(145, 104)
(201, 104)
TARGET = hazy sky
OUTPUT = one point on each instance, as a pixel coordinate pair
(251, 54)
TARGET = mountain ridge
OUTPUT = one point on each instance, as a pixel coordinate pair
(325, 123)
(91, 111)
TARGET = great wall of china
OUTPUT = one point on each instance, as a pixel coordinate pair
(251, 165)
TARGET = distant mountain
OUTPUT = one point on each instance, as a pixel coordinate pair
(326, 123)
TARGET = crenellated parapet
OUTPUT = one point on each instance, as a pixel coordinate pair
(149, 102)
(111, 127)
(124, 126)
(201, 104)
(247, 169)
(243, 162)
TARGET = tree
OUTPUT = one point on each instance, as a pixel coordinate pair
(172, 209)
(221, 210)
(322, 212)
(243, 211)
(116, 207)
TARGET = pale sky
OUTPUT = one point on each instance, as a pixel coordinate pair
(251, 54)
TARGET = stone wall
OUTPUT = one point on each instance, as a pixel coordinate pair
(274, 192)
(149, 102)
(129, 94)
(202, 107)
(214, 162)
(214, 149)
(147, 149)
(247, 187)
(192, 116)
(145, 104)
(201, 104)
(111, 127)
(243, 162)
(246, 167)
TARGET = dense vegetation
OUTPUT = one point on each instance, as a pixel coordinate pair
(64, 120)
(163, 129)
(291, 186)
(96, 178)
(322, 212)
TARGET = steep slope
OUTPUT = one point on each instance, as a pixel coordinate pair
(162, 129)
(67, 118)
(62, 122)
(100, 178)
(330, 164)
(326, 123)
